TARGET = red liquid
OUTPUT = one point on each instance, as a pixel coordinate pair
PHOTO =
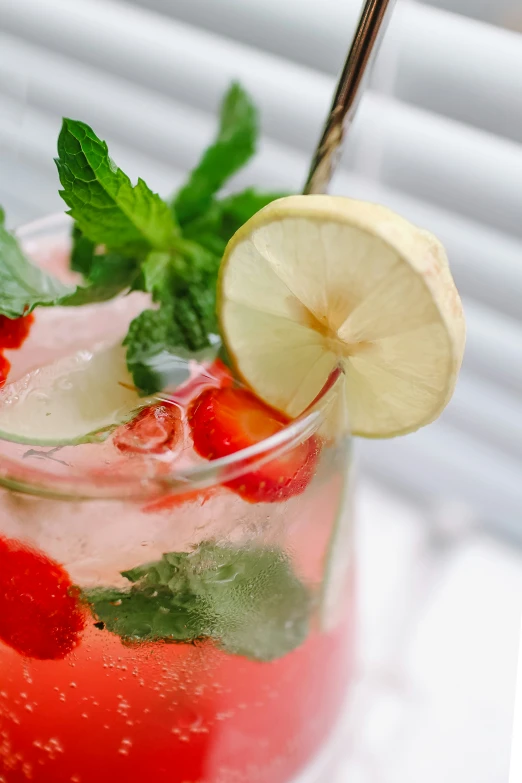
(181, 713)
(176, 713)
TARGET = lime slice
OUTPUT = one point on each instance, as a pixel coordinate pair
(311, 282)
(79, 398)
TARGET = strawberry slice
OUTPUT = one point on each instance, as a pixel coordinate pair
(40, 612)
(155, 430)
(14, 331)
(224, 421)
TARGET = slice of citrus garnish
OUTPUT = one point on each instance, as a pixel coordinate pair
(78, 398)
(312, 282)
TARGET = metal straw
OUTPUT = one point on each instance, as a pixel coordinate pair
(368, 36)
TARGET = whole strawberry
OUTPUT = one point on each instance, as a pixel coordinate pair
(40, 612)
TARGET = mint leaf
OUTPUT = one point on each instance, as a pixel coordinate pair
(158, 338)
(109, 275)
(82, 252)
(24, 286)
(234, 146)
(247, 599)
(183, 283)
(168, 275)
(202, 284)
(224, 217)
(108, 209)
(151, 343)
(157, 270)
(106, 274)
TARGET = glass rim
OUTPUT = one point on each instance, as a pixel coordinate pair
(19, 477)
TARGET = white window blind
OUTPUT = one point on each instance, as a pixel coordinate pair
(438, 138)
(507, 13)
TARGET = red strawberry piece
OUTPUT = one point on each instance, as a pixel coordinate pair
(40, 612)
(155, 430)
(5, 366)
(14, 331)
(223, 421)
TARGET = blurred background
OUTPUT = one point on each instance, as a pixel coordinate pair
(439, 139)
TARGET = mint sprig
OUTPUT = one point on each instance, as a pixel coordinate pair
(248, 600)
(183, 282)
(126, 237)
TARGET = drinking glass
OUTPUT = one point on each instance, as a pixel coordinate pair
(256, 700)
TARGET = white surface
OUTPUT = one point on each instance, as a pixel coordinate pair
(440, 631)
(515, 772)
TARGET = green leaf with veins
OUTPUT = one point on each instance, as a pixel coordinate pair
(248, 600)
(234, 146)
(24, 286)
(107, 208)
(109, 275)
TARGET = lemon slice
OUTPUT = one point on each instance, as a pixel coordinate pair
(79, 398)
(311, 282)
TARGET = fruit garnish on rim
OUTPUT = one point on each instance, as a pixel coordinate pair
(312, 282)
